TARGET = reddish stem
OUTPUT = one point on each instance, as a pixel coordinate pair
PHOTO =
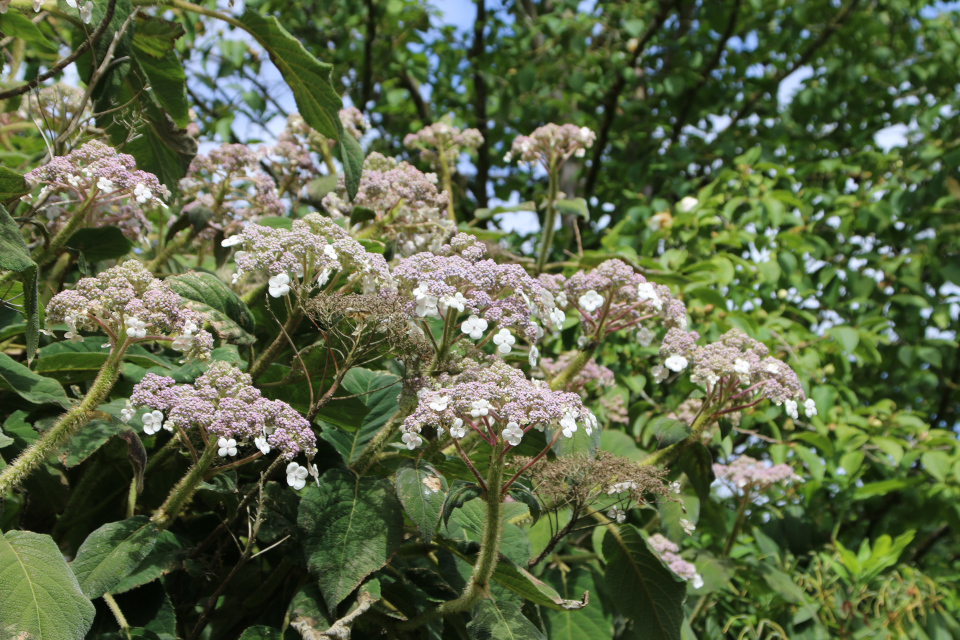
(473, 469)
(529, 464)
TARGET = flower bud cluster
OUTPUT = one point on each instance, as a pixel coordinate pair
(127, 300)
(116, 190)
(225, 404)
(746, 474)
(492, 294)
(408, 208)
(229, 186)
(551, 144)
(499, 403)
(668, 553)
(441, 138)
(306, 255)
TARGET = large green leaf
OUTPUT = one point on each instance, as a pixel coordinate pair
(111, 553)
(501, 621)
(587, 623)
(39, 595)
(351, 527)
(421, 489)
(71, 362)
(460, 493)
(15, 256)
(310, 80)
(28, 385)
(224, 309)
(167, 555)
(642, 587)
(12, 186)
(380, 395)
(579, 444)
(308, 611)
(16, 24)
(697, 463)
(100, 243)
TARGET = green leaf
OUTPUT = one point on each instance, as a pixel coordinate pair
(460, 493)
(224, 309)
(307, 610)
(155, 36)
(12, 186)
(100, 243)
(580, 444)
(522, 494)
(39, 595)
(421, 490)
(361, 214)
(167, 555)
(351, 527)
(642, 587)
(317, 101)
(847, 338)
(380, 395)
(573, 207)
(590, 622)
(111, 553)
(28, 385)
(261, 632)
(483, 214)
(697, 463)
(85, 442)
(668, 431)
(16, 24)
(15, 256)
(501, 621)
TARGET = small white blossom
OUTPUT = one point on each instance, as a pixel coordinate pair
(297, 476)
(127, 413)
(504, 341)
(590, 423)
(86, 13)
(791, 408)
(37, 5)
(142, 193)
(262, 444)
(152, 422)
(621, 487)
(676, 363)
(512, 433)
(644, 337)
(183, 342)
(457, 430)
(618, 514)
(741, 366)
(136, 328)
(568, 424)
(645, 291)
(697, 581)
(557, 317)
(440, 403)
(810, 407)
(687, 204)
(228, 447)
(279, 285)
(590, 301)
(675, 487)
(412, 440)
(533, 355)
(659, 373)
(474, 326)
(479, 408)
(73, 336)
(105, 184)
(687, 526)
(456, 301)
(232, 241)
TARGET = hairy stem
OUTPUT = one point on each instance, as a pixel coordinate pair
(549, 219)
(184, 490)
(115, 610)
(171, 248)
(270, 354)
(68, 424)
(447, 181)
(574, 367)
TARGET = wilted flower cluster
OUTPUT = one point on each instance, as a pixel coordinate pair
(228, 187)
(551, 145)
(225, 404)
(127, 300)
(748, 474)
(668, 553)
(52, 104)
(499, 403)
(492, 294)
(109, 183)
(441, 138)
(591, 377)
(307, 255)
(405, 203)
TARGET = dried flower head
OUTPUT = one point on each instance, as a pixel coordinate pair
(127, 302)
(551, 145)
(225, 404)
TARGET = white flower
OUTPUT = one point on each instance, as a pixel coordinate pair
(773, 367)
(580, 153)
(228, 447)
(507, 157)
(675, 487)
(533, 355)
(152, 422)
(456, 301)
(262, 444)
(37, 5)
(557, 316)
(136, 328)
(412, 440)
(73, 336)
(183, 342)
(687, 203)
(439, 404)
(659, 373)
(71, 3)
(479, 408)
(538, 332)
(644, 337)
(127, 413)
(279, 285)
(621, 487)
(426, 304)
(645, 291)
(512, 433)
(168, 426)
(457, 430)
(591, 301)
(86, 13)
(568, 424)
(330, 252)
(232, 240)
(590, 423)
(697, 581)
(474, 326)
(617, 514)
(504, 341)
(74, 180)
(676, 363)
(810, 407)
(105, 184)
(297, 476)
(687, 526)
(791, 408)
(741, 366)
(142, 193)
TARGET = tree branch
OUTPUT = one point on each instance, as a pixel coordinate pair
(480, 105)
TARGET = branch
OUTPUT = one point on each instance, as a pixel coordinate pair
(613, 95)
(60, 66)
(411, 85)
(480, 106)
(366, 88)
(339, 629)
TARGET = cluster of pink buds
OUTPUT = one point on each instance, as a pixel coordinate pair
(668, 552)
(551, 145)
(747, 474)
(443, 139)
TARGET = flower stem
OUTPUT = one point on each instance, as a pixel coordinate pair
(447, 182)
(576, 366)
(669, 454)
(549, 219)
(171, 248)
(184, 490)
(68, 424)
(270, 354)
